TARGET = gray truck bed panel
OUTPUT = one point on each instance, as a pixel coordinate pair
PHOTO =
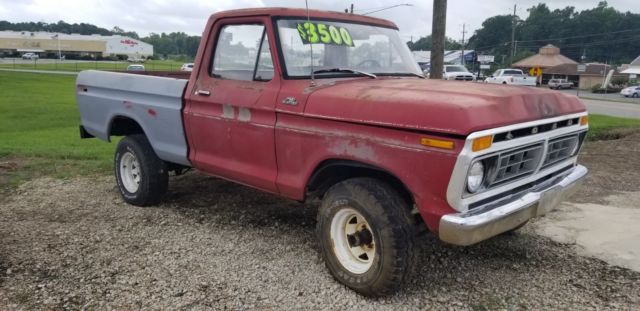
(154, 102)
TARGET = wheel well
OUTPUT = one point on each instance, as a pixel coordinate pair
(331, 172)
(123, 126)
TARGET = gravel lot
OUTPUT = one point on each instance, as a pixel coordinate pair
(74, 244)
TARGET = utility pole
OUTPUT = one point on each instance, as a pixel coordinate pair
(351, 8)
(513, 35)
(462, 60)
(438, 28)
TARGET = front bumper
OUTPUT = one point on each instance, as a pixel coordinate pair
(474, 226)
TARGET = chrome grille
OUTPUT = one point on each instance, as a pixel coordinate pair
(515, 163)
(560, 149)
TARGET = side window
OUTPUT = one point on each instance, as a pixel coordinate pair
(237, 51)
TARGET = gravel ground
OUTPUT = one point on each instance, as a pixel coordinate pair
(74, 244)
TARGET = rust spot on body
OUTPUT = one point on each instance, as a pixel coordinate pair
(152, 112)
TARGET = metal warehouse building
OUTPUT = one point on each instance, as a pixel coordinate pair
(73, 44)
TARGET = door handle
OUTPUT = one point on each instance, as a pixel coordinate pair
(203, 93)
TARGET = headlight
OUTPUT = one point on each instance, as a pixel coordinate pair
(475, 177)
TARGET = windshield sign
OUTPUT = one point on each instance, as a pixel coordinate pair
(321, 33)
(343, 45)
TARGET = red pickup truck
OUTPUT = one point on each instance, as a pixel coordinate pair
(332, 106)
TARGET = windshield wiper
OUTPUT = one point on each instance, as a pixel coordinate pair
(401, 74)
(362, 73)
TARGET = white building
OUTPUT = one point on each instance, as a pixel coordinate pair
(72, 44)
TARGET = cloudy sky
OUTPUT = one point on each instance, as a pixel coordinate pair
(190, 15)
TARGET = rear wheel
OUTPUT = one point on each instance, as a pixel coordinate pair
(367, 236)
(142, 177)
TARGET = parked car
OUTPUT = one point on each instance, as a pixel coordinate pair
(135, 67)
(511, 76)
(31, 56)
(187, 67)
(559, 84)
(632, 91)
(457, 72)
(388, 153)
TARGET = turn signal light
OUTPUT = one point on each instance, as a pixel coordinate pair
(584, 120)
(482, 143)
(437, 143)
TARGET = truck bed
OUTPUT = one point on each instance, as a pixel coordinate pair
(153, 100)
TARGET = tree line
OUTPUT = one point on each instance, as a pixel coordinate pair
(175, 44)
(601, 34)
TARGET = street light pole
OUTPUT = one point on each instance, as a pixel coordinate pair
(59, 50)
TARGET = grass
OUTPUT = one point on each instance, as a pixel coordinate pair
(600, 126)
(72, 65)
(39, 130)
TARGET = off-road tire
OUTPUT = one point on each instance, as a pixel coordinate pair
(154, 176)
(393, 226)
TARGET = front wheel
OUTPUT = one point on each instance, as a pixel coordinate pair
(367, 235)
(142, 177)
(635, 95)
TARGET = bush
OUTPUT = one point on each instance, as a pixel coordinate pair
(619, 81)
(596, 87)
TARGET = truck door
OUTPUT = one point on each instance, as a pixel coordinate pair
(229, 113)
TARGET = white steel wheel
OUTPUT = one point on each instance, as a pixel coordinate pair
(353, 240)
(130, 173)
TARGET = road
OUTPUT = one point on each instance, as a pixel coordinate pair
(614, 109)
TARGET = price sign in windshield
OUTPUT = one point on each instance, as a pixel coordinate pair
(320, 33)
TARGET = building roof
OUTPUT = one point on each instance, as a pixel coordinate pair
(634, 67)
(548, 56)
(591, 69)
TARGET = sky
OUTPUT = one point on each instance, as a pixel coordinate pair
(146, 16)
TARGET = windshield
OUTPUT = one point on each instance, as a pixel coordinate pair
(456, 69)
(366, 48)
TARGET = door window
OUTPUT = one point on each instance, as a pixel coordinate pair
(238, 50)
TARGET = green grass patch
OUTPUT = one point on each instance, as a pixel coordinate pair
(605, 127)
(39, 130)
(72, 65)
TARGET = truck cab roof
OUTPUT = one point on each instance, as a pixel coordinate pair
(295, 12)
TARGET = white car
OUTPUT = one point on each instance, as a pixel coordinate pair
(632, 91)
(135, 67)
(511, 76)
(30, 56)
(187, 67)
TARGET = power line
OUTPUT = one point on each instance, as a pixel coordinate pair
(582, 36)
(386, 8)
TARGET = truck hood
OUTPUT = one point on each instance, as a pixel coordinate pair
(446, 107)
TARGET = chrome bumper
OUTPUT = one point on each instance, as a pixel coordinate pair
(471, 227)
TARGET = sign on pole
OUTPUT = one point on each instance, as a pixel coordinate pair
(535, 71)
(485, 66)
(485, 58)
(582, 68)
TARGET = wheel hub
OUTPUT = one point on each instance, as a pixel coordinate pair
(130, 174)
(353, 240)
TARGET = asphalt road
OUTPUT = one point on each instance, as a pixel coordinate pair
(614, 109)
